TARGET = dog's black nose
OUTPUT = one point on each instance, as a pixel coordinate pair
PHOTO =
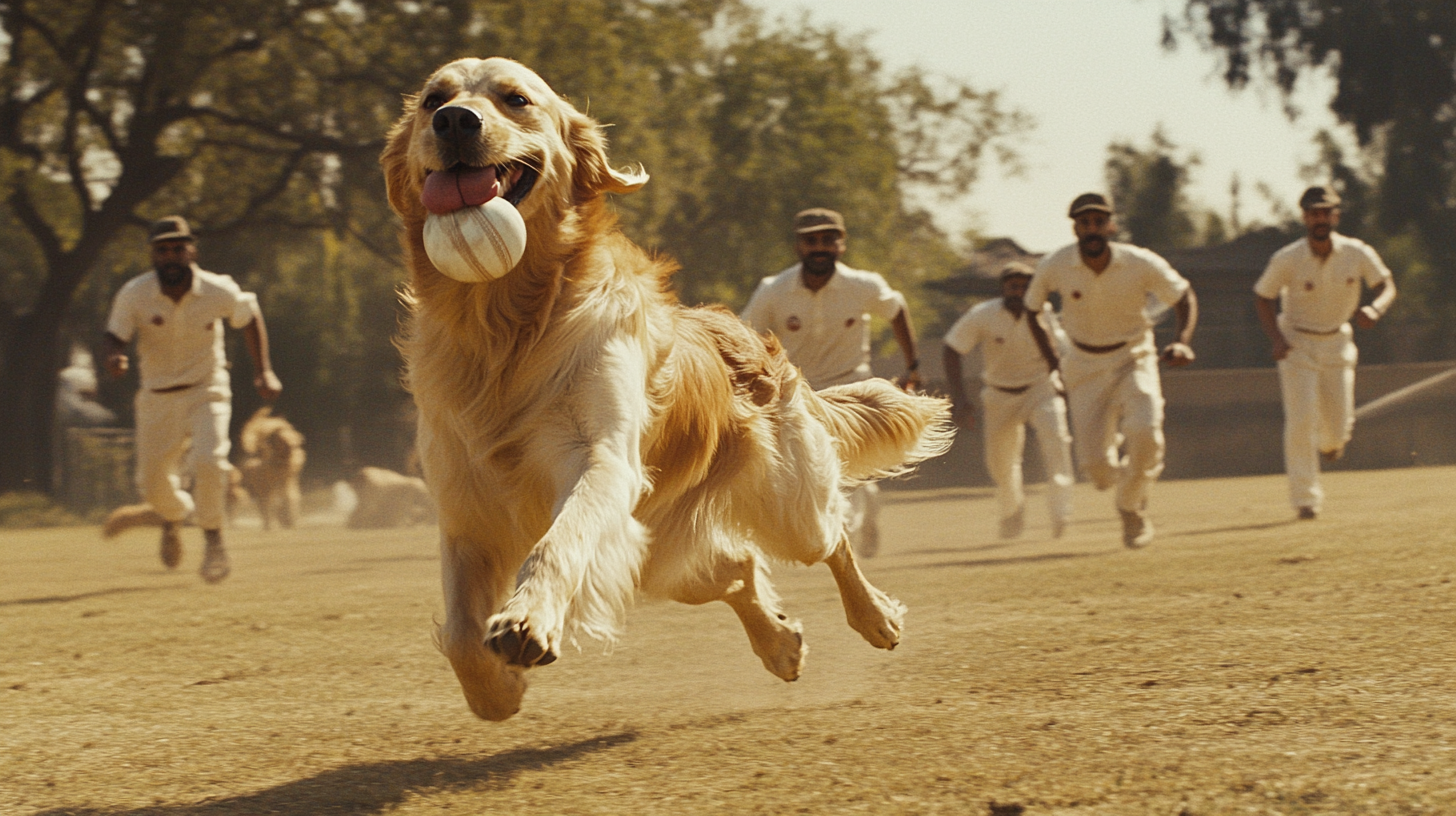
(455, 121)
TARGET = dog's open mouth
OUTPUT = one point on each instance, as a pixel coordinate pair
(461, 186)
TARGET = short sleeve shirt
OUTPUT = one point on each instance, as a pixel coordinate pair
(1103, 309)
(825, 333)
(1320, 295)
(1011, 358)
(179, 342)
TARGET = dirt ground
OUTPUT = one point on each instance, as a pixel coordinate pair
(1245, 663)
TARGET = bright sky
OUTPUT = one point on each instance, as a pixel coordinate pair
(1089, 72)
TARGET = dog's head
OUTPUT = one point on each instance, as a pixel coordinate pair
(496, 128)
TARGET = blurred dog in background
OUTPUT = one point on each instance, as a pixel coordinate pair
(273, 457)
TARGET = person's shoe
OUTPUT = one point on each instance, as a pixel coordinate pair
(215, 565)
(1059, 526)
(1332, 455)
(1012, 525)
(1137, 531)
(171, 544)
(1308, 514)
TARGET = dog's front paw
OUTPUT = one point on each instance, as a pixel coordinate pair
(515, 641)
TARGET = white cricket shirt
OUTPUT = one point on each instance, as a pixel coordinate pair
(1319, 295)
(1101, 309)
(1010, 357)
(179, 342)
(825, 333)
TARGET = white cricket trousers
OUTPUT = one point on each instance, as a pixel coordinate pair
(1116, 404)
(1005, 417)
(1317, 383)
(165, 424)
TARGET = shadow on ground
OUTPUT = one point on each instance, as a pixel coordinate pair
(82, 596)
(372, 787)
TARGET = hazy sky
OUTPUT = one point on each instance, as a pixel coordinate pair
(1090, 72)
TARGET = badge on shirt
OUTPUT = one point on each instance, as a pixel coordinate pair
(1076, 295)
(1001, 340)
(157, 320)
(793, 323)
(849, 322)
(1349, 281)
(1309, 286)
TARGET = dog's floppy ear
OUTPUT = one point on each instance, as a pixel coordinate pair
(402, 195)
(594, 175)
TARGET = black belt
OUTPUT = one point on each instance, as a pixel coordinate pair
(1018, 390)
(1090, 349)
(1318, 333)
(172, 389)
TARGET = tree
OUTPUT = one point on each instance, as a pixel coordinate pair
(1149, 189)
(1394, 63)
(114, 112)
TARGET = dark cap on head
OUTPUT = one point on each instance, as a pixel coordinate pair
(1016, 269)
(816, 220)
(1319, 197)
(171, 228)
(1089, 201)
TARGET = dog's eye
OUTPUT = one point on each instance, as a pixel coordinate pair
(515, 100)
(433, 101)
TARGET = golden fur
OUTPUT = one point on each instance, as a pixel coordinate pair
(273, 457)
(586, 436)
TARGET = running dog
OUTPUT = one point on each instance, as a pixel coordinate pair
(273, 456)
(586, 436)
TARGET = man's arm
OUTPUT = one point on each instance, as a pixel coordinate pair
(1043, 343)
(256, 335)
(117, 363)
(1180, 352)
(960, 407)
(1384, 296)
(1267, 310)
(905, 336)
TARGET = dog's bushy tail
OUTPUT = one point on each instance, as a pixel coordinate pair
(129, 516)
(882, 431)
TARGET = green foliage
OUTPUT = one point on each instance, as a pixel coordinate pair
(1396, 89)
(1149, 190)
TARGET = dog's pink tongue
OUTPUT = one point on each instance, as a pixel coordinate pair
(448, 190)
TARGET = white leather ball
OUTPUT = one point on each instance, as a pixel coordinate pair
(475, 244)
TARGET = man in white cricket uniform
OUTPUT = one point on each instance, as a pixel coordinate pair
(820, 311)
(1111, 367)
(1317, 279)
(175, 314)
(1020, 388)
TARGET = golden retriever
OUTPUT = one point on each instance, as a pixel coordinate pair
(386, 499)
(273, 456)
(585, 435)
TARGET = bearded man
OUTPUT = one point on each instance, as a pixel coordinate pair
(183, 407)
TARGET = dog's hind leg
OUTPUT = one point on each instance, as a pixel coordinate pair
(875, 615)
(743, 584)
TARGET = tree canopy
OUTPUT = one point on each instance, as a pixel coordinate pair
(1394, 64)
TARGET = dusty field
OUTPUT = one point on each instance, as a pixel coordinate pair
(1243, 664)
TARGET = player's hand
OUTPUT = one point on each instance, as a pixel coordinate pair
(1366, 317)
(117, 364)
(268, 385)
(1177, 355)
(1280, 349)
